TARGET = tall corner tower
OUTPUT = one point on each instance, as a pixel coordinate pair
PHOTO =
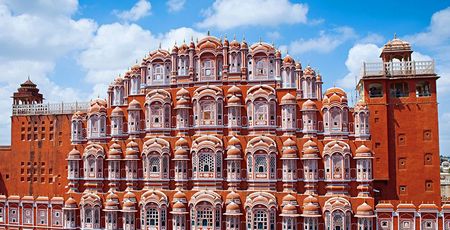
(401, 96)
(28, 93)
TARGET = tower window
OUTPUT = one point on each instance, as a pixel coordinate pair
(423, 89)
(375, 90)
(399, 89)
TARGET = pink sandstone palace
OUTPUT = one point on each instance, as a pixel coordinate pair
(219, 134)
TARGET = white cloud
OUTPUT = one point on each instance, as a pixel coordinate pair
(372, 38)
(175, 5)
(275, 35)
(141, 9)
(109, 54)
(325, 43)
(438, 31)
(358, 54)
(228, 14)
(35, 34)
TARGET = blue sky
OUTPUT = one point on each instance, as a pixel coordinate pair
(73, 49)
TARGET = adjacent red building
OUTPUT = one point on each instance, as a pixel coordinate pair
(222, 135)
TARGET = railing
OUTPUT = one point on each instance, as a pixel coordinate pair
(397, 68)
(43, 109)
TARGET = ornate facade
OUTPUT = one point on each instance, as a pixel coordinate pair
(223, 135)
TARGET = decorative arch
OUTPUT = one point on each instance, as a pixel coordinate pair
(261, 210)
(261, 106)
(207, 157)
(208, 106)
(206, 210)
(93, 157)
(155, 158)
(261, 155)
(90, 211)
(158, 104)
(337, 156)
(337, 212)
(153, 206)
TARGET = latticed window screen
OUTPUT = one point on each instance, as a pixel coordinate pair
(261, 163)
(260, 220)
(219, 164)
(152, 217)
(206, 163)
(205, 217)
(154, 164)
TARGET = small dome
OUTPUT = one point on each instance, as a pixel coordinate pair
(289, 153)
(234, 100)
(364, 207)
(129, 196)
(179, 205)
(182, 102)
(278, 54)
(309, 71)
(234, 141)
(335, 98)
(288, 59)
(260, 199)
(182, 93)
(363, 149)
(426, 207)
(134, 105)
(310, 143)
(244, 45)
(70, 203)
(110, 204)
(117, 112)
(112, 196)
(288, 99)
(396, 45)
(74, 152)
(179, 195)
(232, 207)
(182, 142)
(309, 105)
(298, 65)
(310, 151)
(289, 142)
(181, 152)
(235, 44)
(234, 196)
(310, 207)
(289, 198)
(289, 209)
(335, 90)
(234, 90)
(310, 199)
(233, 151)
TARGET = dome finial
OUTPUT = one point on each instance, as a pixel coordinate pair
(159, 45)
(209, 34)
(259, 39)
(395, 35)
(234, 37)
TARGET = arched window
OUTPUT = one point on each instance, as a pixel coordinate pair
(261, 212)
(337, 213)
(235, 62)
(206, 210)
(93, 161)
(207, 72)
(335, 118)
(154, 210)
(158, 107)
(261, 106)
(423, 89)
(155, 160)
(399, 89)
(261, 67)
(208, 106)
(90, 211)
(134, 85)
(183, 65)
(375, 90)
(337, 161)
